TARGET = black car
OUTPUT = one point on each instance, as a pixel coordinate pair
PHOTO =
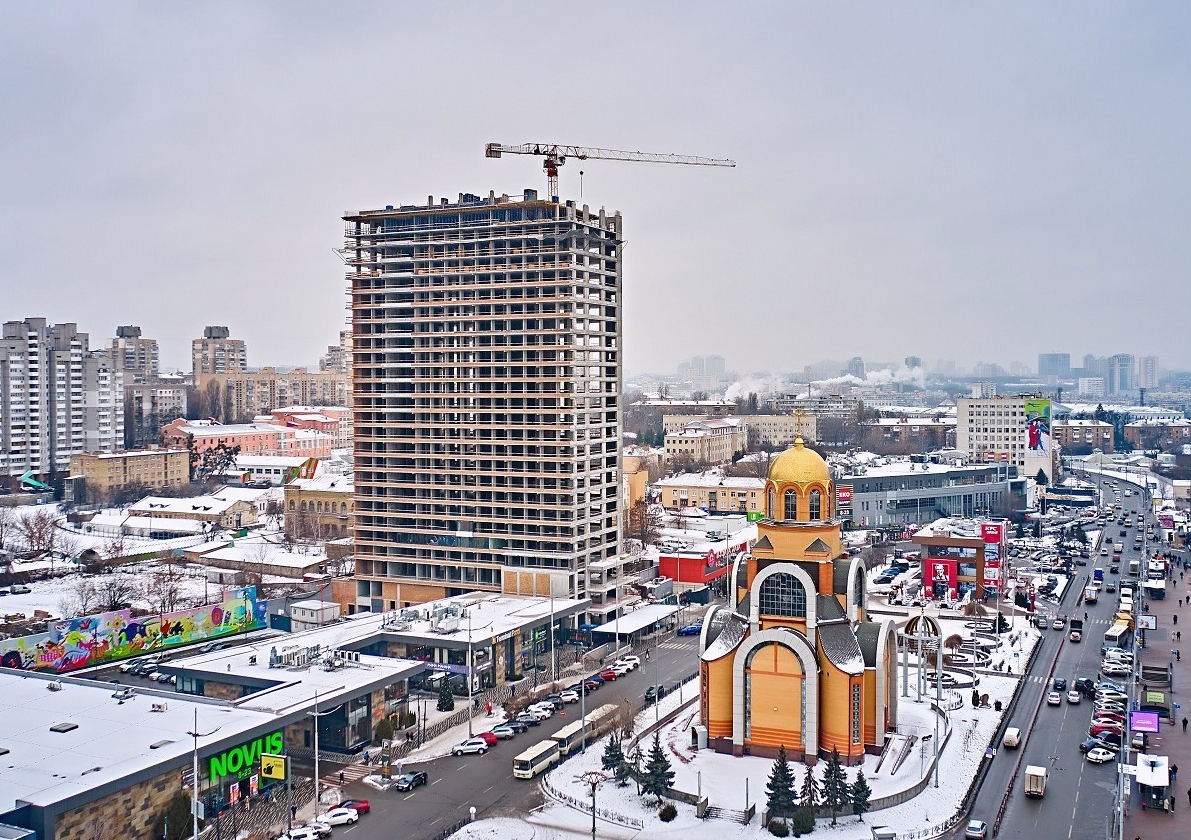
(1081, 562)
(1085, 686)
(411, 780)
(1109, 740)
(1060, 684)
(655, 692)
(528, 719)
(1114, 569)
(516, 725)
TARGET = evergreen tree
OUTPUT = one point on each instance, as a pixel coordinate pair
(658, 774)
(383, 731)
(835, 786)
(613, 755)
(860, 795)
(175, 823)
(780, 786)
(810, 796)
(446, 700)
(621, 772)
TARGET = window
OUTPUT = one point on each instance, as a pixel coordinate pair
(773, 503)
(855, 714)
(782, 594)
(815, 504)
(790, 504)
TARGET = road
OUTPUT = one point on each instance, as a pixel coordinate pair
(486, 782)
(1079, 795)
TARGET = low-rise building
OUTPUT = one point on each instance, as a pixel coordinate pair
(962, 555)
(713, 492)
(766, 429)
(1080, 437)
(222, 511)
(918, 434)
(1158, 434)
(105, 474)
(252, 438)
(712, 441)
(279, 469)
(320, 508)
(334, 420)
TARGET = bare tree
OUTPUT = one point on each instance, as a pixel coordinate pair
(81, 599)
(8, 522)
(38, 531)
(645, 522)
(164, 590)
(626, 719)
(115, 547)
(69, 544)
(116, 591)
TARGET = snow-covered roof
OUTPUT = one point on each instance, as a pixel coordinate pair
(734, 629)
(840, 646)
(638, 619)
(263, 554)
(195, 505)
(325, 483)
(712, 478)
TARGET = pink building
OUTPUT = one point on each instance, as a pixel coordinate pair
(252, 438)
(334, 420)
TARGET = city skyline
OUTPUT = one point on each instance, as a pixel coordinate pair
(882, 157)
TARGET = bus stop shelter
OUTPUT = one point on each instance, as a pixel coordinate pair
(637, 624)
(1153, 782)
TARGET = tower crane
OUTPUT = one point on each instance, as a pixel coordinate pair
(555, 156)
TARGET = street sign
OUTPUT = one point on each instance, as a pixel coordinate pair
(273, 766)
(198, 809)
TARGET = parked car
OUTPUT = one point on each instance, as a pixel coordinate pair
(1112, 740)
(322, 828)
(131, 664)
(20, 589)
(471, 745)
(301, 832)
(690, 630)
(1100, 755)
(631, 661)
(544, 711)
(596, 678)
(655, 692)
(570, 696)
(409, 781)
(489, 737)
(517, 726)
(340, 816)
(504, 732)
(1097, 728)
(361, 806)
(1112, 669)
(528, 719)
(608, 674)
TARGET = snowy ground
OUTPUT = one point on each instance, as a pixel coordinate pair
(722, 779)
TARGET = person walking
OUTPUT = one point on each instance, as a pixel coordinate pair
(340, 778)
(1174, 772)
(1184, 725)
(1189, 796)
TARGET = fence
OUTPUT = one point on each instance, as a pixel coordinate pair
(606, 814)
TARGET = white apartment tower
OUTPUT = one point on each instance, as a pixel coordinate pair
(993, 430)
(486, 371)
(1147, 372)
(43, 402)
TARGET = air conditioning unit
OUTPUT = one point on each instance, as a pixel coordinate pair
(159, 707)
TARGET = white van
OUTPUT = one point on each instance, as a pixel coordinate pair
(1012, 739)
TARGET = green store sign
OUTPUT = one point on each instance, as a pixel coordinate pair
(244, 759)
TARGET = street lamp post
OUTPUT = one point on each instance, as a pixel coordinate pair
(593, 778)
(194, 801)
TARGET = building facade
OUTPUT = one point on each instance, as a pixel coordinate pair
(905, 492)
(1053, 367)
(999, 429)
(1148, 372)
(1074, 435)
(103, 404)
(486, 374)
(1158, 434)
(334, 420)
(136, 356)
(252, 438)
(712, 492)
(766, 429)
(244, 394)
(105, 475)
(320, 508)
(44, 404)
(217, 352)
(795, 661)
(711, 441)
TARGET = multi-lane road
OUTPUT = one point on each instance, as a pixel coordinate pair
(1079, 795)
(486, 782)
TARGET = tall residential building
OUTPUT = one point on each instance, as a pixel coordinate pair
(1054, 366)
(217, 352)
(136, 356)
(1147, 372)
(238, 396)
(1121, 373)
(487, 367)
(46, 413)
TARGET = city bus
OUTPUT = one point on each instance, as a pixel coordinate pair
(1118, 636)
(601, 720)
(570, 737)
(598, 721)
(541, 756)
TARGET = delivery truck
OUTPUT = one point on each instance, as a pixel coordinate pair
(1035, 780)
(1076, 625)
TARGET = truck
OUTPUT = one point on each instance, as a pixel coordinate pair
(1097, 573)
(1035, 780)
(1090, 595)
(1117, 548)
(1076, 625)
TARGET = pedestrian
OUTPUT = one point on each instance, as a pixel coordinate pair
(1176, 618)
(1184, 726)
(1178, 657)
(1174, 772)
(1189, 796)
(1178, 635)
(340, 778)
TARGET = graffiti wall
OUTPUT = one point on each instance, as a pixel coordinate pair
(95, 639)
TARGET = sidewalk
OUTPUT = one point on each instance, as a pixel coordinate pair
(1172, 741)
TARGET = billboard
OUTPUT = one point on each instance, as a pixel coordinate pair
(1144, 722)
(76, 643)
(843, 495)
(1038, 426)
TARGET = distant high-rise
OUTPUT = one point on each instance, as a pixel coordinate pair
(855, 367)
(913, 362)
(1054, 366)
(1121, 373)
(486, 387)
(137, 357)
(56, 398)
(1147, 372)
(218, 352)
(716, 369)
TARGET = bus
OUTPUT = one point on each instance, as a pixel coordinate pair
(1118, 636)
(572, 736)
(541, 756)
(601, 720)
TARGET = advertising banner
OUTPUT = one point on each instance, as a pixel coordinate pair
(1038, 426)
(95, 639)
(843, 495)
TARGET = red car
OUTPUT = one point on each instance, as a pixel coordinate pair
(361, 805)
(1096, 729)
(608, 674)
(489, 738)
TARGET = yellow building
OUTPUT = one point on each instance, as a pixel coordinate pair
(106, 474)
(320, 508)
(796, 662)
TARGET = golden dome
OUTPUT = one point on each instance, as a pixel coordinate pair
(799, 465)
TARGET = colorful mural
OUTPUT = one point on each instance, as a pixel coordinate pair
(95, 639)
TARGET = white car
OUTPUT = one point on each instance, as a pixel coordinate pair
(1054, 699)
(631, 661)
(1099, 755)
(1112, 670)
(322, 827)
(621, 668)
(471, 745)
(125, 667)
(569, 696)
(301, 832)
(1074, 696)
(543, 711)
(340, 816)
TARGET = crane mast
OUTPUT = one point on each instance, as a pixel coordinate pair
(554, 155)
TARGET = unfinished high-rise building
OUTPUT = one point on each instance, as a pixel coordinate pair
(486, 371)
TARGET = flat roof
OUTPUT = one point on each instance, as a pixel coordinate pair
(638, 619)
(492, 616)
(110, 741)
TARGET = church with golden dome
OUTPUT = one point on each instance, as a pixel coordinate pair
(794, 660)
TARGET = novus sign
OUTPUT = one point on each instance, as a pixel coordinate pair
(242, 760)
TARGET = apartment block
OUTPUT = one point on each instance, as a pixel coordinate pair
(43, 405)
(252, 438)
(1076, 435)
(103, 404)
(1148, 372)
(710, 441)
(244, 394)
(106, 474)
(487, 367)
(768, 429)
(135, 355)
(217, 352)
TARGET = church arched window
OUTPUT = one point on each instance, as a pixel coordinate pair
(782, 594)
(773, 504)
(858, 592)
(815, 504)
(791, 505)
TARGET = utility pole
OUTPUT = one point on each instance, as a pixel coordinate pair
(194, 800)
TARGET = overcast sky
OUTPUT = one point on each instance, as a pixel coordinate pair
(975, 181)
